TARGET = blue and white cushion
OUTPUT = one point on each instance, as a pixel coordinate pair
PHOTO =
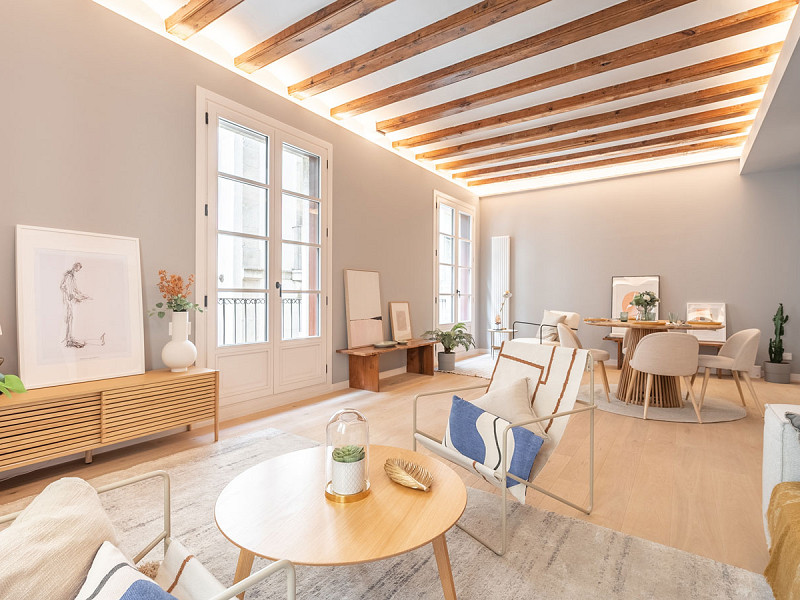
(113, 577)
(478, 434)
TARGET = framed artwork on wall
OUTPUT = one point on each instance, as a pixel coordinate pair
(624, 288)
(79, 306)
(362, 293)
(707, 311)
(400, 318)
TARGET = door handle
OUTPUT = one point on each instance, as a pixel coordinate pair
(279, 288)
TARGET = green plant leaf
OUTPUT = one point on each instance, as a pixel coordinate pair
(4, 390)
(161, 314)
(159, 304)
(14, 383)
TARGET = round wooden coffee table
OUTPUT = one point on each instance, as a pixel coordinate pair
(278, 510)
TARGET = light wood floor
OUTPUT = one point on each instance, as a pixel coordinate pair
(693, 487)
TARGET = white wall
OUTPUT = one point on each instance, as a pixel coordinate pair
(710, 234)
(98, 134)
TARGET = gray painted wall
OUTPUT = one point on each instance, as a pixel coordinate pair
(710, 234)
(98, 134)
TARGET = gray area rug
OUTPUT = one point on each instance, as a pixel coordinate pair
(551, 556)
(475, 366)
(715, 410)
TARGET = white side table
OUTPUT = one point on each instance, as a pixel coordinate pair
(500, 331)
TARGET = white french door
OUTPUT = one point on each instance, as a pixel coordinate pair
(454, 262)
(266, 274)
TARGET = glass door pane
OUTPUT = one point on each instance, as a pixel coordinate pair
(301, 249)
(242, 235)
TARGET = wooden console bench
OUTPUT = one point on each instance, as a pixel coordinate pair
(364, 372)
(57, 421)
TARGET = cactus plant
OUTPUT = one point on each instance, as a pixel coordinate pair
(348, 454)
(776, 343)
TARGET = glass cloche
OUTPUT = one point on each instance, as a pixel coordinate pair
(347, 457)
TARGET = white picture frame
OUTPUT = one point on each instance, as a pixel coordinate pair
(623, 288)
(400, 318)
(711, 311)
(79, 306)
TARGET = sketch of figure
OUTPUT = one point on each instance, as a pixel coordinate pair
(71, 296)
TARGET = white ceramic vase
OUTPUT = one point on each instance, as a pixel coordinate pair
(348, 478)
(179, 353)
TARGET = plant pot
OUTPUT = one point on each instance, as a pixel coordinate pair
(447, 361)
(348, 478)
(179, 353)
(777, 372)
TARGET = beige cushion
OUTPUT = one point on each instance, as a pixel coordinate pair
(47, 551)
(599, 355)
(715, 362)
(550, 334)
(183, 576)
(572, 319)
(512, 403)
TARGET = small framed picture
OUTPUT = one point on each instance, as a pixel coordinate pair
(79, 306)
(400, 317)
(708, 311)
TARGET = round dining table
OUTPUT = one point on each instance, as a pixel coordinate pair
(666, 390)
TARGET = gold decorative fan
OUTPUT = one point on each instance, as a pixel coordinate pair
(409, 474)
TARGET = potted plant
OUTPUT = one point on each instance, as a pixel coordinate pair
(775, 369)
(450, 340)
(10, 383)
(348, 473)
(646, 302)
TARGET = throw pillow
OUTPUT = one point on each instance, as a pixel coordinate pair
(549, 326)
(113, 577)
(512, 403)
(47, 551)
(478, 435)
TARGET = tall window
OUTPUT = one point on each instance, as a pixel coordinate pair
(455, 262)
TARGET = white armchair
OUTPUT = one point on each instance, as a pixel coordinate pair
(555, 375)
(205, 586)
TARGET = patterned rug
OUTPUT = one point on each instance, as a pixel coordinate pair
(551, 556)
(715, 410)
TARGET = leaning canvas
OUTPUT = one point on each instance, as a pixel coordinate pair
(79, 306)
(708, 311)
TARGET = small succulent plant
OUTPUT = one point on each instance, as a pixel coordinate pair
(348, 454)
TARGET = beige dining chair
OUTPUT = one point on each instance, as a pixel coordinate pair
(738, 354)
(669, 355)
(569, 339)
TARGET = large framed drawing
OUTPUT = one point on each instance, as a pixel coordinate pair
(623, 289)
(362, 292)
(707, 311)
(400, 318)
(79, 306)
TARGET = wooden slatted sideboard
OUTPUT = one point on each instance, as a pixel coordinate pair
(57, 421)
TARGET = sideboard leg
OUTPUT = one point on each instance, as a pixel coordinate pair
(87, 457)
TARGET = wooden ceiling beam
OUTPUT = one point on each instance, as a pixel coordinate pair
(317, 25)
(718, 93)
(596, 23)
(457, 25)
(695, 135)
(193, 16)
(607, 162)
(746, 109)
(757, 18)
(668, 79)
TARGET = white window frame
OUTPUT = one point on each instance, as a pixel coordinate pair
(204, 98)
(473, 210)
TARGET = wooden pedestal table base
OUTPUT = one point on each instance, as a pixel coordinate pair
(278, 510)
(364, 372)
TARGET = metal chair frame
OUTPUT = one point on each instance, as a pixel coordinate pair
(504, 474)
(165, 536)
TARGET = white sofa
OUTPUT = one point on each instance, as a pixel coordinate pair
(781, 458)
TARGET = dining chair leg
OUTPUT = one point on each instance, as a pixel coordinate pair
(605, 380)
(749, 383)
(738, 386)
(691, 383)
(647, 388)
(706, 375)
(629, 391)
(694, 400)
